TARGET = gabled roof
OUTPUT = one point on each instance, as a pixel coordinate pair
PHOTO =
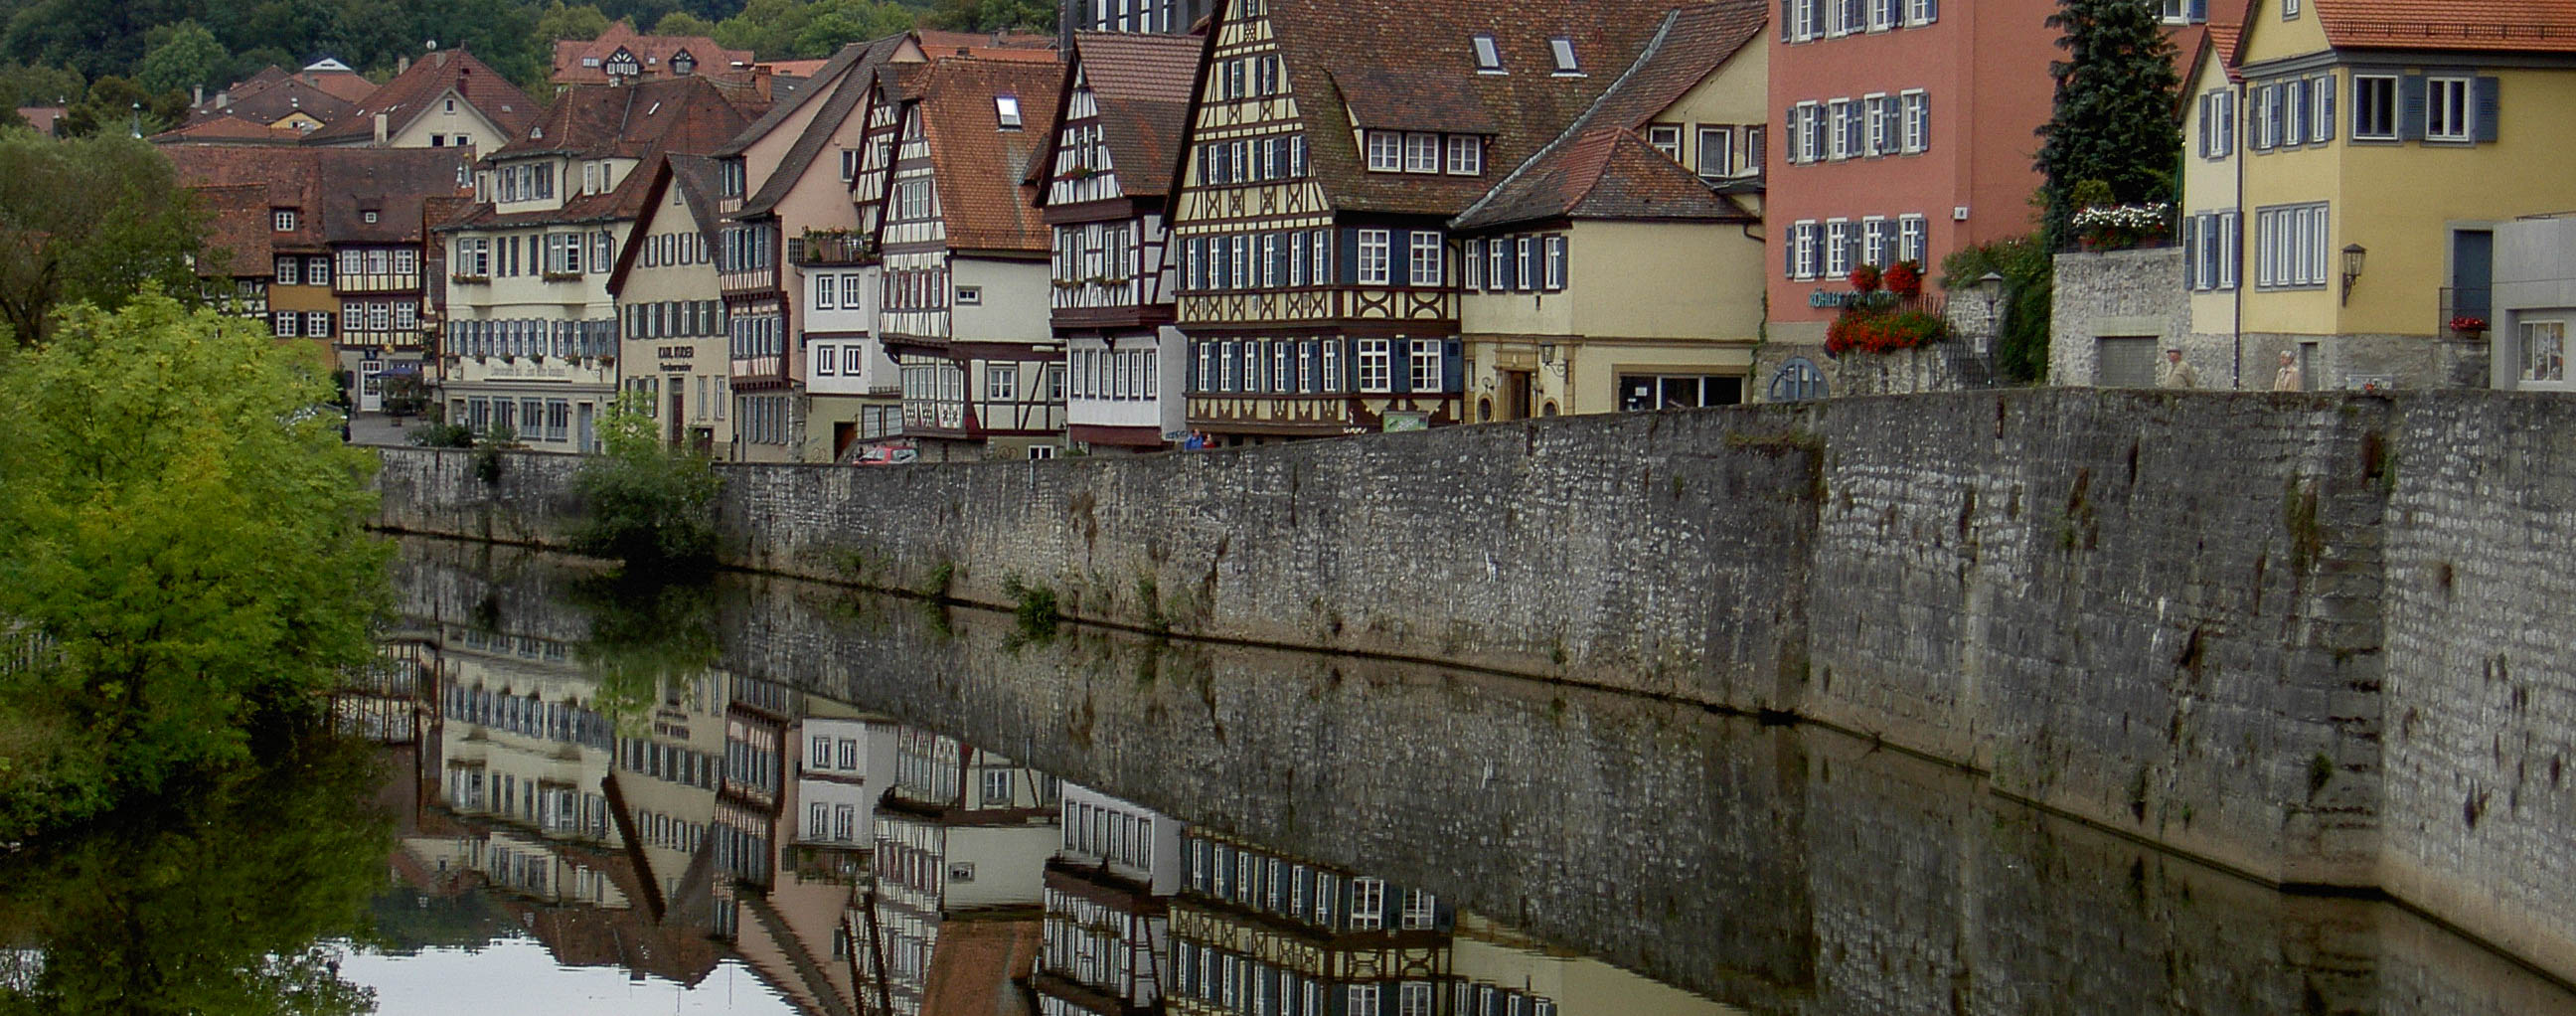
(331, 189)
(687, 114)
(1023, 46)
(849, 86)
(229, 130)
(697, 178)
(1346, 59)
(1609, 173)
(2520, 26)
(265, 100)
(580, 61)
(411, 94)
(779, 112)
(1141, 84)
(1599, 167)
(977, 166)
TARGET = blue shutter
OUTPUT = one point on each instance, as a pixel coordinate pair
(2487, 94)
(2199, 11)
(1534, 263)
(1399, 366)
(1931, 11)
(1452, 379)
(1399, 257)
(1190, 368)
(2410, 108)
(2191, 253)
(1347, 271)
(2322, 124)
(1784, 19)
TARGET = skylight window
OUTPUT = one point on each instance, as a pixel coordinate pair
(1564, 50)
(1007, 107)
(1489, 57)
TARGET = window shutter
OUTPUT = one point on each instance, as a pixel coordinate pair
(2199, 11)
(1348, 271)
(1190, 369)
(1789, 253)
(2488, 95)
(2410, 108)
(2191, 254)
(1451, 377)
(1925, 100)
(1931, 11)
(1784, 19)
(2324, 126)
(1399, 366)
(1310, 382)
(1399, 257)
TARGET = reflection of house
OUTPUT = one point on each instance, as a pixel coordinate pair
(521, 742)
(1107, 891)
(1501, 972)
(1255, 932)
(962, 838)
(664, 789)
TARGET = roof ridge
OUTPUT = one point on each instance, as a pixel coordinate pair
(1645, 55)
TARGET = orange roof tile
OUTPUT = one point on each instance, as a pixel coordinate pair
(977, 165)
(410, 94)
(2522, 26)
(580, 61)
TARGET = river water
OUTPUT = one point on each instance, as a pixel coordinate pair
(743, 795)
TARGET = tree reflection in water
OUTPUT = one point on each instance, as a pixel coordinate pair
(233, 898)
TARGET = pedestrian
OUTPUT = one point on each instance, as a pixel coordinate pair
(2290, 378)
(2175, 372)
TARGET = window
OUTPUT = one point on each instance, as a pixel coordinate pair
(283, 220)
(997, 784)
(289, 270)
(2289, 9)
(1803, 250)
(1915, 110)
(2321, 109)
(1413, 998)
(1874, 237)
(1421, 153)
(1373, 257)
(1838, 115)
(1922, 12)
(1839, 247)
(970, 296)
(1427, 266)
(2290, 247)
(824, 292)
(1006, 108)
(1716, 152)
(2544, 351)
(1877, 138)
(1001, 382)
(1913, 239)
(1563, 49)
(2374, 107)
(286, 324)
(1374, 366)
(1385, 152)
(2218, 124)
(1555, 263)
(1797, 381)
(1368, 904)
(1466, 155)
(1425, 363)
(1489, 57)
(2447, 112)
(1666, 138)
(317, 324)
(1332, 367)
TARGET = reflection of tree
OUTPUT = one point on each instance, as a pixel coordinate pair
(408, 920)
(645, 637)
(214, 900)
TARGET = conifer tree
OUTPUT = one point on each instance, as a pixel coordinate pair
(2117, 120)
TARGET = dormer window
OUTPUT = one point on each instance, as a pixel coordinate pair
(1489, 57)
(1007, 109)
(1421, 153)
(370, 217)
(1466, 155)
(1564, 50)
(682, 63)
(283, 220)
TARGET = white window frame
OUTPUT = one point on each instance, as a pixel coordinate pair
(1374, 364)
(2464, 90)
(1838, 113)
(1725, 137)
(1914, 109)
(2387, 107)
(1555, 263)
(1421, 152)
(1374, 266)
(1423, 365)
(1913, 239)
(1385, 151)
(1429, 260)
(1804, 238)
(2532, 368)
(1466, 155)
(1838, 248)
(1876, 136)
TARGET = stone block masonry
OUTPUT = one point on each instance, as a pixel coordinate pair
(2314, 638)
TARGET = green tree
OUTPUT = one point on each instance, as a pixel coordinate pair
(93, 221)
(649, 506)
(561, 22)
(2116, 117)
(118, 107)
(188, 56)
(24, 85)
(2030, 282)
(684, 23)
(186, 529)
(995, 15)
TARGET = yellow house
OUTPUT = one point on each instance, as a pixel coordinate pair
(1622, 268)
(2213, 259)
(2380, 147)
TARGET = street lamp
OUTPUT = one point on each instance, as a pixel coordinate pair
(2353, 256)
(1993, 284)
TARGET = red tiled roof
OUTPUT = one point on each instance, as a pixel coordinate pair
(1344, 54)
(695, 114)
(229, 130)
(1013, 46)
(2523, 26)
(41, 117)
(411, 93)
(975, 964)
(579, 61)
(272, 95)
(1141, 84)
(331, 189)
(977, 165)
(237, 231)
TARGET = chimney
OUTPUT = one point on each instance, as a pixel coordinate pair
(381, 128)
(760, 81)
(442, 58)
(224, 99)
(402, 64)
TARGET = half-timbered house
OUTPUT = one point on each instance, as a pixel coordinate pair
(1106, 179)
(964, 253)
(962, 838)
(1322, 163)
(1618, 269)
(1255, 931)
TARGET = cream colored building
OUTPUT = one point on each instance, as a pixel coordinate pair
(670, 310)
(1622, 267)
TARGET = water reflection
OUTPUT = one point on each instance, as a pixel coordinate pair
(878, 807)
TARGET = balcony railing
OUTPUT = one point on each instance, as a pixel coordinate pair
(831, 249)
(2466, 312)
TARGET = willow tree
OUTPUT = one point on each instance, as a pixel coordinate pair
(2117, 120)
(182, 557)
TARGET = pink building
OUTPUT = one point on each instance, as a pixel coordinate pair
(1907, 133)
